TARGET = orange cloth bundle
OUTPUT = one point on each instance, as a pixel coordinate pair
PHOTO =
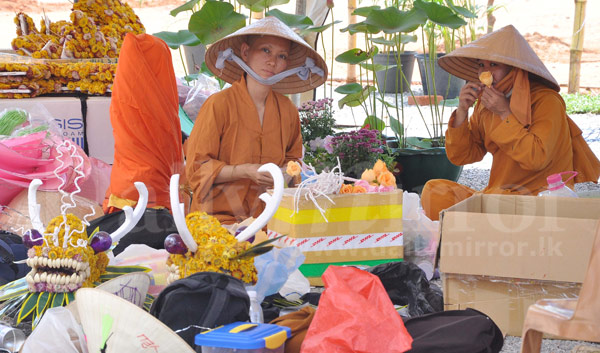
(145, 121)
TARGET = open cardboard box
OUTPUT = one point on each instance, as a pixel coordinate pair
(358, 229)
(501, 253)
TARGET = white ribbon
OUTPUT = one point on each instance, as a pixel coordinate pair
(303, 71)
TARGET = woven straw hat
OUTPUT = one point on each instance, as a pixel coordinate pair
(15, 217)
(127, 327)
(506, 46)
(132, 287)
(297, 56)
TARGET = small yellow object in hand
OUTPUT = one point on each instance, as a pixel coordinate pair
(293, 168)
(486, 78)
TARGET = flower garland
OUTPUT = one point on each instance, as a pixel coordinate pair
(218, 251)
(96, 30)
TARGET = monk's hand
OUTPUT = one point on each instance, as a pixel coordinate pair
(466, 98)
(260, 178)
(496, 102)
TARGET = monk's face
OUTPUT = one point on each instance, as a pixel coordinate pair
(498, 70)
(266, 55)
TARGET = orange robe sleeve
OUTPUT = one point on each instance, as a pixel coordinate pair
(145, 121)
(227, 131)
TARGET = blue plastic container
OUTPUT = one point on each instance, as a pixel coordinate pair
(244, 337)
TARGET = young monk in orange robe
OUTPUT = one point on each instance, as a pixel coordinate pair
(520, 119)
(249, 124)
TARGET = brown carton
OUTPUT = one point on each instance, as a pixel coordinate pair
(354, 229)
(501, 253)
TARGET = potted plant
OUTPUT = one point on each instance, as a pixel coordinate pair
(441, 26)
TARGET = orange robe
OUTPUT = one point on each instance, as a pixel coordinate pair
(522, 156)
(145, 119)
(228, 132)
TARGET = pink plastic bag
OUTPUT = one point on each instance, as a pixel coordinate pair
(355, 315)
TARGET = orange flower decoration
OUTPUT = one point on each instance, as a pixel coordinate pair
(486, 78)
(379, 168)
(346, 189)
(357, 189)
(368, 175)
(386, 179)
(293, 168)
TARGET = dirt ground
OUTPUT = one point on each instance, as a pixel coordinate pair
(547, 25)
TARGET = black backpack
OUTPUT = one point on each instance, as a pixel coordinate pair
(152, 229)
(454, 331)
(204, 299)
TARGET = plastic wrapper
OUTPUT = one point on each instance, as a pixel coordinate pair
(204, 87)
(143, 255)
(295, 287)
(182, 90)
(38, 119)
(355, 315)
(421, 234)
(95, 186)
(58, 331)
(273, 269)
(503, 299)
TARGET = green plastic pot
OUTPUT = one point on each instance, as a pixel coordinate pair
(417, 166)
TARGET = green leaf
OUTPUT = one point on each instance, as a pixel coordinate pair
(453, 102)
(176, 39)
(365, 10)
(349, 88)
(28, 306)
(418, 142)
(58, 300)
(356, 99)
(440, 14)
(188, 6)
(461, 10)
(126, 269)
(93, 233)
(387, 104)
(261, 5)
(258, 249)
(360, 27)
(13, 289)
(396, 127)
(214, 21)
(69, 298)
(391, 20)
(375, 67)
(294, 21)
(42, 303)
(356, 56)
(317, 29)
(374, 123)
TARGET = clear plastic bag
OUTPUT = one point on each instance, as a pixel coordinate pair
(421, 234)
(204, 87)
(58, 331)
(38, 119)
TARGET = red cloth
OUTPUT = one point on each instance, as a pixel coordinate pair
(144, 116)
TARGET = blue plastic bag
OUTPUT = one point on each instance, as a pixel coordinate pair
(274, 268)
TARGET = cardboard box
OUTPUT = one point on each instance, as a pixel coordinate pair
(501, 253)
(358, 229)
(100, 139)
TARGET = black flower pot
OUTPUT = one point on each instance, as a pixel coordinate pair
(393, 80)
(417, 166)
(446, 85)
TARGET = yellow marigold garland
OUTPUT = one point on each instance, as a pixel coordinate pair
(216, 252)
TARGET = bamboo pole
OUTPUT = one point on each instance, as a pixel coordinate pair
(351, 69)
(577, 46)
(491, 19)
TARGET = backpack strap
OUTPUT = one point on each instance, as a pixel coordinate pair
(219, 300)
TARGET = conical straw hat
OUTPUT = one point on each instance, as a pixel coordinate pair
(15, 218)
(297, 56)
(127, 327)
(132, 287)
(506, 46)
